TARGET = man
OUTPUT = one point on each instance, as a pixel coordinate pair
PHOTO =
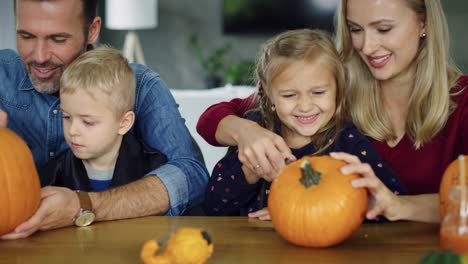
(50, 35)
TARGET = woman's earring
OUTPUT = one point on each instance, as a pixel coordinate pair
(273, 108)
(423, 35)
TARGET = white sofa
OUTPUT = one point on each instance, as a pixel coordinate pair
(192, 103)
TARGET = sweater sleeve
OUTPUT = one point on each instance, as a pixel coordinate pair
(209, 120)
(464, 131)
(228, 193)
(463, 104)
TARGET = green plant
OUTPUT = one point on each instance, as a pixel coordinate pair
(214, 63)
(444, 257)
(240, 73)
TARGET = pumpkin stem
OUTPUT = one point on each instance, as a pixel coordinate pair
(310, 176)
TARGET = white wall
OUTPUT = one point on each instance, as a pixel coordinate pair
(167, 52)
(7, 25)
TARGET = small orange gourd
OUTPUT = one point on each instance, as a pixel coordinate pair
(450, 178)
(20, 190)
(311, 203)
(187, 246)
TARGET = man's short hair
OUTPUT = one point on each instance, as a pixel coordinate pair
(103, 69)
(89, 8)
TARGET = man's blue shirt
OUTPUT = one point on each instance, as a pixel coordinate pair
(36, 117)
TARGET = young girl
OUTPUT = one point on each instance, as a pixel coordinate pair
(301, 97)
(403, 94)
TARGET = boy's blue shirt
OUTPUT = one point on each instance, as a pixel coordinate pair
(37, 118)
(134, 161)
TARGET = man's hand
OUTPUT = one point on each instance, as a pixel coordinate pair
(57, 209)
(3, 118)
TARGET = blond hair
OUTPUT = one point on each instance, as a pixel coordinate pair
(430, 102)
(293, 46)
(103, 69)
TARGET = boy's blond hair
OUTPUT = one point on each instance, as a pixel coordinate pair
(103, 69)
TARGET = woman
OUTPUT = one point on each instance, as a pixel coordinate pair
(402, 93)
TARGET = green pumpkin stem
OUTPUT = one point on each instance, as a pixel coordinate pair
(310, 176)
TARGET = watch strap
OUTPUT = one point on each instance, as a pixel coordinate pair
(85, 201)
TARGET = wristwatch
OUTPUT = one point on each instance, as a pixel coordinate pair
(85, 215)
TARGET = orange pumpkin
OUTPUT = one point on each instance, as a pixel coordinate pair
(20, 190)
(312, 204)
(451, 178)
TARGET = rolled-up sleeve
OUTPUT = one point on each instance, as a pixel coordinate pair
(159, 125)
(177, 187)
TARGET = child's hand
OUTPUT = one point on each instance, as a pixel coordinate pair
(249, 175)
(261, 214)
(381, 200)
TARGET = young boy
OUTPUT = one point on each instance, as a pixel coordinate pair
(97, 95)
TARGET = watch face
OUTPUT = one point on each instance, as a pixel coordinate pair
(85, 218)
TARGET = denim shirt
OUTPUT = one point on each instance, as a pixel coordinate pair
(37, 118)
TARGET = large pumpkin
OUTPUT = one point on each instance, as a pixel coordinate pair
(20, 190)
(451, 178)
(311, 203)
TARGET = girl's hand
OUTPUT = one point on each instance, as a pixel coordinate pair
(261, 214)
(381, 200)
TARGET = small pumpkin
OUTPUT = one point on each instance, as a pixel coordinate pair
(450, 178)
(187, 246)
(20, 192)
(311, 203)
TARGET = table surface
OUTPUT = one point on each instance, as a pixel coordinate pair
(236, 240)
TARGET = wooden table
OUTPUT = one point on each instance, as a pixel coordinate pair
(236, 240)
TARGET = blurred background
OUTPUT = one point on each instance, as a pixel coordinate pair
(200, 45)
(196, 40)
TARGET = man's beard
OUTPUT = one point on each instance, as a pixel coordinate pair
(49, 85)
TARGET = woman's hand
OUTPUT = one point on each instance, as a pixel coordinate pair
(262, 151)
(381, 200)
(261, 214)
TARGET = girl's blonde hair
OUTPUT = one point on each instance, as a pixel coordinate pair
(430, 101)
(305, 45)
(103, 69)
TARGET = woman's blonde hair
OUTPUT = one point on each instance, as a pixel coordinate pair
(304, 45)
(430, 102)
(103, 69)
